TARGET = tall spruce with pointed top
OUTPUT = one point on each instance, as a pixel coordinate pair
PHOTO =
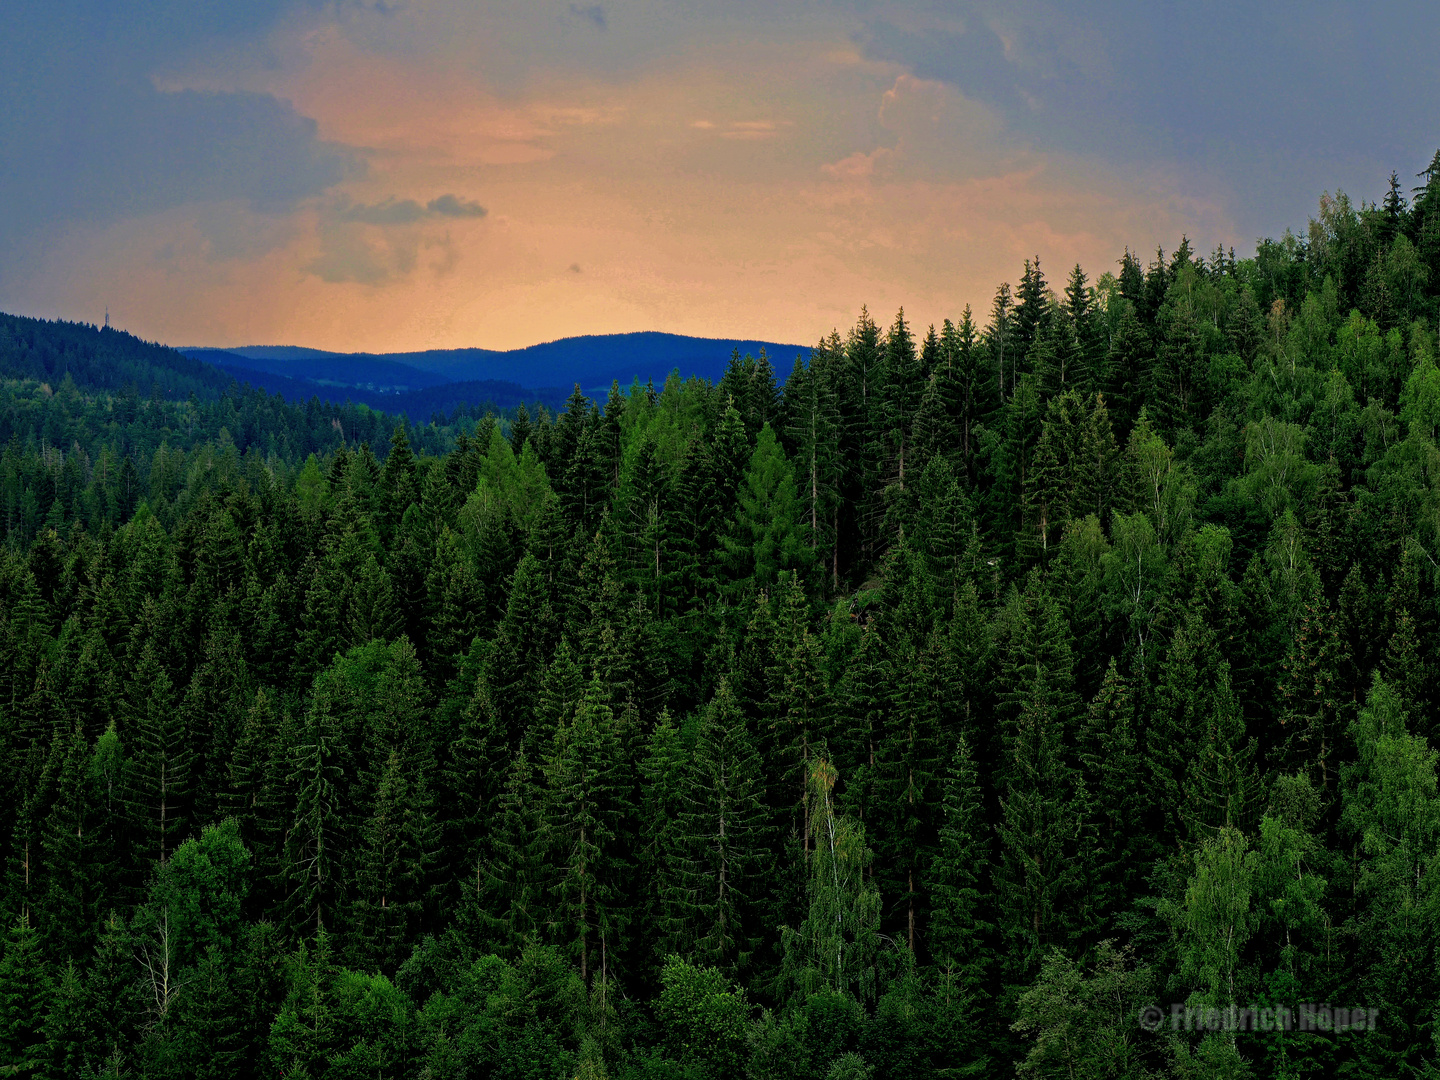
(315, 845)
(160, 760)
(958, 925)
(586, 810)
(719, 840)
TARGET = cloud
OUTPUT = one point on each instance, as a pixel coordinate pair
(389, 212)
(100, 141)
(352, 255)
(454, 206)
(594, 15)
(394, 211)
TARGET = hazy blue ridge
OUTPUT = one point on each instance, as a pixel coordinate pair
(419, 405)
(593, 361)
(384, 376)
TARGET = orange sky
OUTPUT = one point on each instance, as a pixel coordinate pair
(716, 184)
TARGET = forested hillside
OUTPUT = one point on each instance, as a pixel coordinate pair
(928, 711)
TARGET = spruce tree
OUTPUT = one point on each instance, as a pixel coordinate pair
(959, 928)
(24, 987)
(396, 850)
(586, 809)
(315, 842)
(766, 536)
(510, 910)
(1222, 789)
(719, 840)
(1042, 834)
(1032, 307)
(67, 912)
(159, 761)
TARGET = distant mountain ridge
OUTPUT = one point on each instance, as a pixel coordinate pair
(593, 361)
(417, 384)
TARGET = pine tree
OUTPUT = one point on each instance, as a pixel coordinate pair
(719, 839)
(23, 991)
(315, 842)
(959, 929)
(766, 537)
(160, 760)
(1222, 789)
(394, 859)
(1042, 834)
(585, 833)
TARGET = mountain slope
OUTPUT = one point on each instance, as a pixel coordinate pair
(593, 361)
(101, 359)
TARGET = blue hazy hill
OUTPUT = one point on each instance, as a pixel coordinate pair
(593, 361)
(418, 404)
(327, 369)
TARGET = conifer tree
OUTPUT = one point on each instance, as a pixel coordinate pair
(471, 783)
(904, 386)
(315, 842)
(958, 921)
(1032, 307)
(585, 833)
(910, 766)
(213, 706)
(814, 434)
(64, 1026)
(719, 839)
(67, 843)
(159, 761)
(662, 772)
(1016, 494)
(522, 645)
(1222, 789)
(519, 429)
(1110, 760)
(1042, 833)
(766, 537)
(23, 991)
(510, 910)
(396, 850)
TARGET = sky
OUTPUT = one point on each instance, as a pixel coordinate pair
(386, 175)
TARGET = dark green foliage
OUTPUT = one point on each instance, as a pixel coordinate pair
(925, 718)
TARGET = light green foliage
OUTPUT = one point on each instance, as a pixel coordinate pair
(838, 944)
(706, 1017)
(1080, 1021)
(1136, 573)
(766, 538)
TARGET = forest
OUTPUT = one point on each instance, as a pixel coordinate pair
(1049, 693)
